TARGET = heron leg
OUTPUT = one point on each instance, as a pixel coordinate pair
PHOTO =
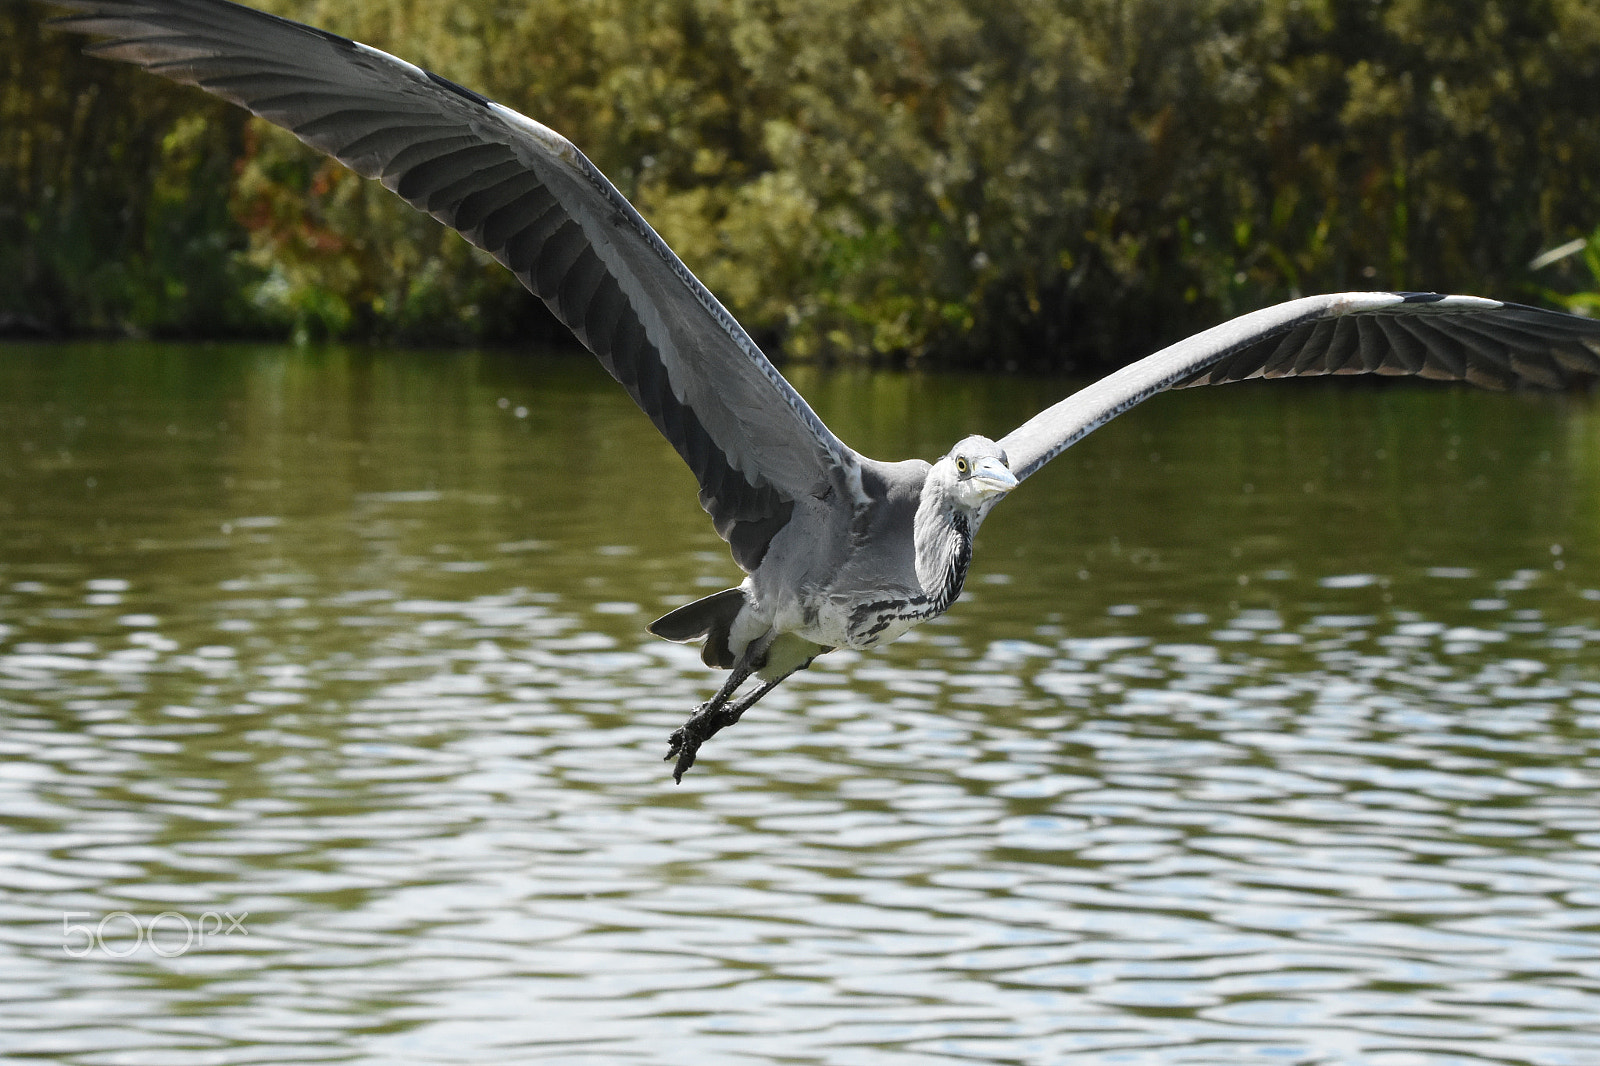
(711, 716)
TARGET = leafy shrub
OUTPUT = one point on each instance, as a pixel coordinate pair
(1005, 182)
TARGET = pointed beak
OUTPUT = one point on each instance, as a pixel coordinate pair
(992, 476)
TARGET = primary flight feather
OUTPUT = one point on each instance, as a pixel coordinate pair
(840, 550)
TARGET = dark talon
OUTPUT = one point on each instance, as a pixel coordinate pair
(684, 752)
(705, 722)
(702, 725)
(685, 761)
(685, 742)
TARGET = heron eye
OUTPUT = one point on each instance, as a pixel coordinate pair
(961, 466)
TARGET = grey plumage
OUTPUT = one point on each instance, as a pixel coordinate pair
(840, 549)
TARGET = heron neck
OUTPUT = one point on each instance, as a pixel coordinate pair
(944, 548)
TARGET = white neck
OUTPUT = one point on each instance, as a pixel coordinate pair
(943, 538)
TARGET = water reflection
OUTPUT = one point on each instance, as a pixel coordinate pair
(1267, 732)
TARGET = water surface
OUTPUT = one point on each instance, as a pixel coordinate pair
(1268, 731)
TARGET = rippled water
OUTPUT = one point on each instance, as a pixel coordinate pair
(1267, 732)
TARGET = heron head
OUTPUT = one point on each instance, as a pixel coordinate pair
(979, 473)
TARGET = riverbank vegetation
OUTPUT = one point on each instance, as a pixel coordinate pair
(1005, 182)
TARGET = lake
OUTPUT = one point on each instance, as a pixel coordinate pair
(1267, 731)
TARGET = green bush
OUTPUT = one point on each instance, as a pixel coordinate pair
(113, 194)
(1006, 183)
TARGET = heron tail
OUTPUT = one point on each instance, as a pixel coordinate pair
(710, 617)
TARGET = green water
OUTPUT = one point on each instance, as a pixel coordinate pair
(1268, 730)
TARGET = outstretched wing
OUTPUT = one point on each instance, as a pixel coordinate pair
(529, 198)
(1447, 338)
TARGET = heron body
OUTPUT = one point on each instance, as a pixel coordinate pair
(898, 556)
(839, 550)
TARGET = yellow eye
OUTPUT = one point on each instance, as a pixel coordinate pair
(961, 465)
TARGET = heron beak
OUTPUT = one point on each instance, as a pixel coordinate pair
(992, 478)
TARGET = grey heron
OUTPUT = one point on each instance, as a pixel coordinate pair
(839, 550)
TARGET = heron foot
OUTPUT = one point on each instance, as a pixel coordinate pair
(702, 725)
(705, 722)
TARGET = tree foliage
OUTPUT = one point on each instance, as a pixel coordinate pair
(1005, 182)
